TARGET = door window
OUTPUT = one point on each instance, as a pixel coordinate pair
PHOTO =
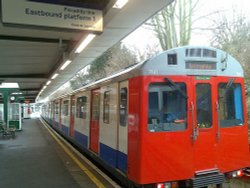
(95, 106)
(230, 105)
(203, 105)
(106, 107)
(123, 106)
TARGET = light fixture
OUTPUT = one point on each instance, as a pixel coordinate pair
(120, 3)
(65, 64)
(17, 93)
(48, 82)
(54, 76)
(85, 42)
(9, 85)
(44, 87)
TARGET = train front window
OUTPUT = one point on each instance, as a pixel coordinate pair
(203, 105)
(167, 107)
(230, 105)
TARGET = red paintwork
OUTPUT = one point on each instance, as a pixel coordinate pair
(205, 145)
(72, 116)
(168, 156)
(94, 125)
(233, 152)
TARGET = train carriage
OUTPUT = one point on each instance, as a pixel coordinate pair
(177, 119)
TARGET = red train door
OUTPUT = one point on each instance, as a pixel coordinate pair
(72, 116)
(94, 120)
(204, 128)
(232, 134)
(123, 127)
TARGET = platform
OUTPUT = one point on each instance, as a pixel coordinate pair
(33, 159)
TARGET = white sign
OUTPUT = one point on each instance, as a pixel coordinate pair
(50, 15)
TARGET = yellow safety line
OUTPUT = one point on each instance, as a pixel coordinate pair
(83, 168)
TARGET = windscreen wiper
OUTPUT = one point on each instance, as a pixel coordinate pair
(229, 84)
(174, 85)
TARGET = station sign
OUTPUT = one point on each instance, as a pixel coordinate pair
(28, 12)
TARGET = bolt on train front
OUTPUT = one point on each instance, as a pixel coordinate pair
(178, 119)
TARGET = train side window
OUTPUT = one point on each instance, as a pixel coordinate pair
(66, 108)
(230, 105)
(203, 105)
(56, 108)
(167, 107)
(106, 107)
(123, 109)
(81, 107)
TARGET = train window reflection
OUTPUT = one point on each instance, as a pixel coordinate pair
(230, 105)
(56, 107)
(66, 108)
(81, 107)
(106, 106)
(167, 110)
(203, 105)
(123, 106)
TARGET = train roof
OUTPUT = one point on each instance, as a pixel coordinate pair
(186, 60)
(193, 60)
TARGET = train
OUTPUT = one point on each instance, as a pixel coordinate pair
(178, 119)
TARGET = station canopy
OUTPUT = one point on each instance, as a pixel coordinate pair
(37, 38)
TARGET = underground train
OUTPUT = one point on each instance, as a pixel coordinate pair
(178, 119)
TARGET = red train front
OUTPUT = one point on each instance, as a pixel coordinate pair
(193, 119)
(177, 119)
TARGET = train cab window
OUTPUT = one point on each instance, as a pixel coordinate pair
(106, 106)
(123, 109)
(172, 59)
(230, 105)
(81, 107)
(66, 108)
(203, 105)
(167, 107)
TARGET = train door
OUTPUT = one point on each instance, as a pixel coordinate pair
(123, 127)
(72, 116)
(204, 128)
(232, 133)
(94, 120)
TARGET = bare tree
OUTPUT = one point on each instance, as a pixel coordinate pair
(173, 25)
(233, 36)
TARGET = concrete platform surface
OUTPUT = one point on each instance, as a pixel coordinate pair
(34, 160)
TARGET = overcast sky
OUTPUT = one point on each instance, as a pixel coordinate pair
(141, 37)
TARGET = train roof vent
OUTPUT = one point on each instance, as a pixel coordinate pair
(199, 52)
